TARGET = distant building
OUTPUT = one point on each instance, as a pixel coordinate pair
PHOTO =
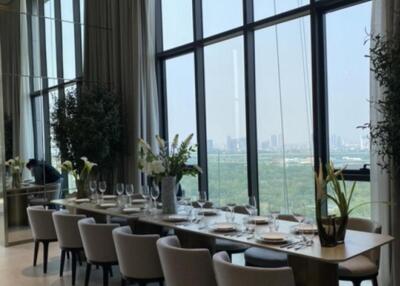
(236, 144)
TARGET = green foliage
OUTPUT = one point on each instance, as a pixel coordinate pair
(87, 123)
(385, 60)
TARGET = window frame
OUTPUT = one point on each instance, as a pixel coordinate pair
(316, 10)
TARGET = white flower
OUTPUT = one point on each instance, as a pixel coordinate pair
(175, 141)
(11, 162)
(84, 159)
(16, 168)
(161, 142)
(188, 139)
(147, 168)
(157, 167)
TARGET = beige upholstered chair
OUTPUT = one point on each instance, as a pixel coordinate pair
(43, 231)
(183, 267)
(228, 274)
(137, 257)
(261, 257)
(69, 238)
(365, 266)
(99, 246)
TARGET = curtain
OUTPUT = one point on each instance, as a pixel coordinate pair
(385, 21)
(120, 53)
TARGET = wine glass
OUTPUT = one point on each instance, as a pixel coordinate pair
(93, 189)
(102, 189)
(120, 188)
(274, 210)
(251, 207)
(129, 192)
(155, 192)
(298, 211)
(202, 200)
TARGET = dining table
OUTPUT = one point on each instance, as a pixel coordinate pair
(312, 263)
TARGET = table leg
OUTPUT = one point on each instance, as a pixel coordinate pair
(310, 272)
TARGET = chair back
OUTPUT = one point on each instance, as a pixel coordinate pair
(287, 217)
(67, 230)
(137, 254)
(183, 267)
(53, 190)
(97, 241)
(366, 225)
(41, 222)
(228, 274)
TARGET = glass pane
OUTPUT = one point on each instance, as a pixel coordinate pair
(348, 84)
(181, 92)
(68, 39)
(268, 8)
(226, 121)
(284, 118)
(177, 21)
(221, 15)
(50, 42)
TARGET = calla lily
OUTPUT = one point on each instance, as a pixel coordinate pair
(175, 141)
(161, 142)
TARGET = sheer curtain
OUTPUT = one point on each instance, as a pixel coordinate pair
(120, 52)
(385, 21)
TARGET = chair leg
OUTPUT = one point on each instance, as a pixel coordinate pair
(374, 281)
(78, 254)
(62, 262)
(73, 254)
(35, 253)
(87, 275)
(105, 275)
(161, 283)
(123, 282)
(356, 283)
(68, 255)
(45, 255)
(111, 271)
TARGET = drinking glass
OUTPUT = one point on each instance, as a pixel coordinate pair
(102, 189)
(155, 192)
(93, 189)
(274, 210)
(202, 200)
(251, 207)
(129, 192)
(120, 188)
(298, 211)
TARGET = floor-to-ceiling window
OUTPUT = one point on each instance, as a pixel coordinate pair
(270, 88)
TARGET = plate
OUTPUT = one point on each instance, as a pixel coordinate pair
(259, 220)
(272, 237)
(139, 201)
(208, 212)
(306, 229)
(131, 210)
(176, 218)
(109, 197)
(79, 201)
(223, 227)
(107, 205)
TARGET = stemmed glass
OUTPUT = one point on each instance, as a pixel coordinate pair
(202, 200)
(251, 207)
(120, 188)
(146, 196)
(155, 192)
(129, 192)
(102, 189)
(274, 210)
(93, 189)
(298, 211)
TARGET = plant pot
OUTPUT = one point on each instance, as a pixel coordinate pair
(332, 230)
(16, 180)
(168, 195)
(81, 189)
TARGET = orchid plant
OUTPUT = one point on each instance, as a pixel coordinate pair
(16, 165)
(68, 167)
(169, 161)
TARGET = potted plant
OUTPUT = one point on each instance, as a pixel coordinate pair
(168, 166)
(333, 187)
(81, 177)
(16, 167)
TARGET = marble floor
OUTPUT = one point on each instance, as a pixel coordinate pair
(16, 269)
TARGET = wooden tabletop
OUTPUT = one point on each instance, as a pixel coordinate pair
(355, 244)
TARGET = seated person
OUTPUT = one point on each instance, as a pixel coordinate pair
(43, 172)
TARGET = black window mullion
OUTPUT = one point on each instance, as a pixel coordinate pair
(78, 37)
(251, 117)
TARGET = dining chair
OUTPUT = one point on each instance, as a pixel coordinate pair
(183, 267)
(69, 239)
(262, 257)
(43, 231)
(365, 266)
(229, 246)
(228, 274)
(137, 257)
(98, 245)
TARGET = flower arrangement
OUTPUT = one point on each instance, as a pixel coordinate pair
(170, 161)
(16, 167)
(81, 178)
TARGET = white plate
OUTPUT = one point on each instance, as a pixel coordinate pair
(107, 205)
(272, 237)
(223, 227)
(79, 201)
(259, 220)
(208, 212)
(176, 218)
(139, 201)
(131, 210)
(306, 229)
(109, 197)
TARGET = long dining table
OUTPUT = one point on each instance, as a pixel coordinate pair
(312, 265)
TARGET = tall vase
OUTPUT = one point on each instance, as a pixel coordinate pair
(168, 195)
(81, 189)
(16, 180)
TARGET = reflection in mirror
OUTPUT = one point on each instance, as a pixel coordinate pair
(40, 57)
